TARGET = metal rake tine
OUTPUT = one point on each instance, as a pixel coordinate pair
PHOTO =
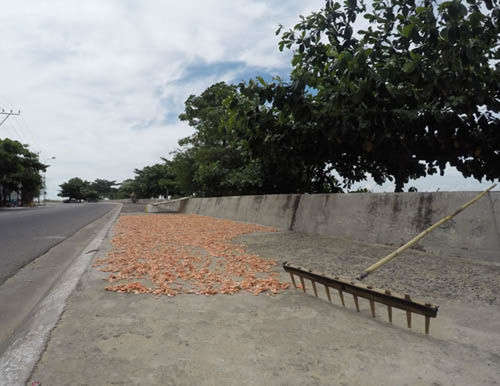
(303, 284)
(427, 321)
(389, 308)
(372, 302)
(356, 302)
(408, 313)
(314, 288)
(328, 293)
(372, 307)
(341, 297)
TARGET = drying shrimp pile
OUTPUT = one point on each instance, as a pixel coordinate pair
(181, 253)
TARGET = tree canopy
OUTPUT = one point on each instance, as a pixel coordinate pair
(104, 188)
(214, 158)
(274, 121)
(78, 189)
(418, 89)
(19, 170)
(153, 181)
(75, 189)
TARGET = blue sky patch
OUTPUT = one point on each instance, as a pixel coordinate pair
(220, 70)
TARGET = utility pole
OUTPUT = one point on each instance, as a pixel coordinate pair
(45, 182)
(8, 114)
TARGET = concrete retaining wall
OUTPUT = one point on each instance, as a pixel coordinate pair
(384, 218)
(177, 205)
(272, 210)
(139, 201)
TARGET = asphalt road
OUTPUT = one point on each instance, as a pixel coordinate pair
(26, 234)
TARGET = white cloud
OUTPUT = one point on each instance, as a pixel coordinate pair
(95, 80)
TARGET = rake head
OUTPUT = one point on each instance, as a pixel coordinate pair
(360, 290)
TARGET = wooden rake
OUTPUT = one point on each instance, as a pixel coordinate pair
(376, 295)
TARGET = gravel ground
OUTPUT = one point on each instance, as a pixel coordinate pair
(416, 273)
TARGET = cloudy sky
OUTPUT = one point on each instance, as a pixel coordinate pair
(100, 84)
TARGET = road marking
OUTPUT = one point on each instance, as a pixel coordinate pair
(52, 237)
(21, 357)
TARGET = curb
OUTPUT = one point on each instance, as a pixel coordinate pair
(20, 358)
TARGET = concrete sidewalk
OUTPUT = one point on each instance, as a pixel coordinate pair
(290, 339)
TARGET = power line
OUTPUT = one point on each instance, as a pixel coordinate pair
(14, 125)
(26, 130)
(8, 114)
(20, 126)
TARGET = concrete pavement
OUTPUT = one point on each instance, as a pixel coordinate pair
(109, 338)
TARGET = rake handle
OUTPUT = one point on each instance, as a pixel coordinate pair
(421, 235)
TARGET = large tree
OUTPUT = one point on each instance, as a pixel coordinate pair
(19, 170)
(214, 157)
(182, 166)
(274, 120)
(419, 88)
(104, 188)
(153, 181)
(75, 189)
(126, 189)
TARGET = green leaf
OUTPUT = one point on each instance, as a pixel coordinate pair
(296, 59)
(444, 5)
(358, 95)
(471, 55)
(457, 10)
(416, 57)
(409, 67)
(261, 80)
(406, 31)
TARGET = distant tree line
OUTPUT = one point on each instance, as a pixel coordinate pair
(77, 189)
(151, 181)
(418, 90)
(19, 172)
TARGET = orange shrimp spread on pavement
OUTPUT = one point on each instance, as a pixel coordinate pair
(185, 253)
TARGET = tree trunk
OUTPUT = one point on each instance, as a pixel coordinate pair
(400, 183)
